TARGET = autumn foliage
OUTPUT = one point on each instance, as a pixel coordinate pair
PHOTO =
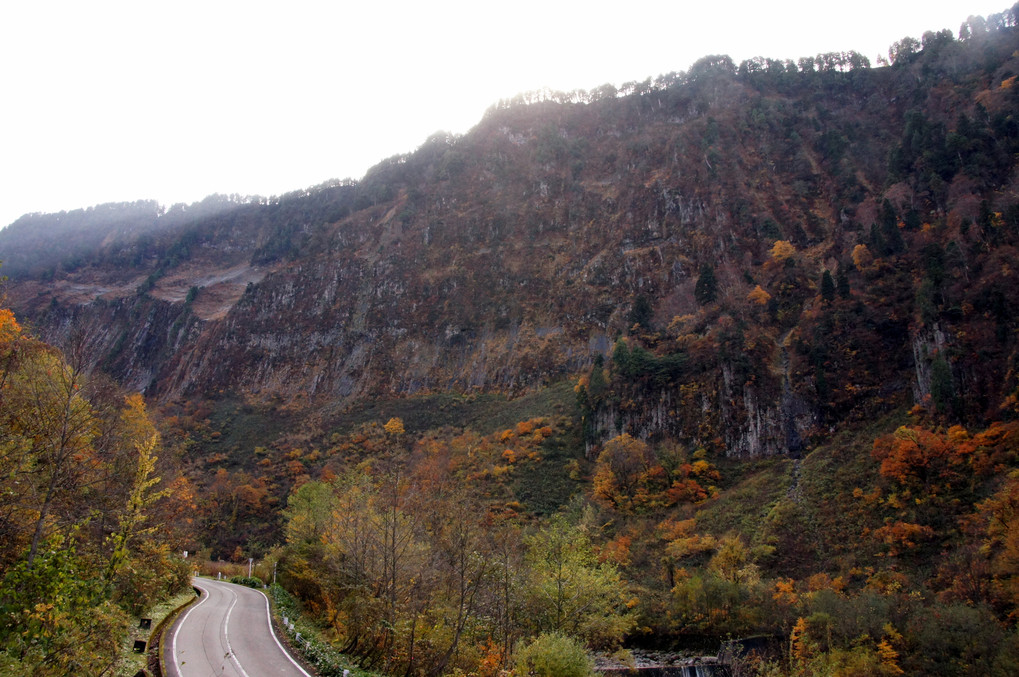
(83, 491)
(730, 353)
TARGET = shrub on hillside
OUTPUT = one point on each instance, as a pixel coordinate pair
(249, 581)
(552, 654)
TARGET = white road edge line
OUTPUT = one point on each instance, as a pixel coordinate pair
(173, 641)
(268, 616)
(226, 634)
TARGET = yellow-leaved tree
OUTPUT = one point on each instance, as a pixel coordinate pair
(570, 592)
(141, 434)
(782, 250)
(759, 296)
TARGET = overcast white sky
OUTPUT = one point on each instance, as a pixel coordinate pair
(119, 101)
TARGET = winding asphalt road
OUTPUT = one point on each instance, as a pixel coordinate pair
(227, 633)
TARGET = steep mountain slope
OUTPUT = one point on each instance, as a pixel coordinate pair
(697, 215)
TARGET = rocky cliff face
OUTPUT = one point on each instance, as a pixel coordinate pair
(516, 254)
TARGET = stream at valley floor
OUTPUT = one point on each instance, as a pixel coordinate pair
(650, 663)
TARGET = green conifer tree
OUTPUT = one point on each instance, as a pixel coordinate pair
(707, 286)
(827, 287)
(842, 283)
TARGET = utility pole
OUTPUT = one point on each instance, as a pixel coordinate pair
(250, 560)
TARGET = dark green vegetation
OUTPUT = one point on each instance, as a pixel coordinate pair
(736, 349)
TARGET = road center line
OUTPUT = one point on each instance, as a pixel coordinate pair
(226, 634)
